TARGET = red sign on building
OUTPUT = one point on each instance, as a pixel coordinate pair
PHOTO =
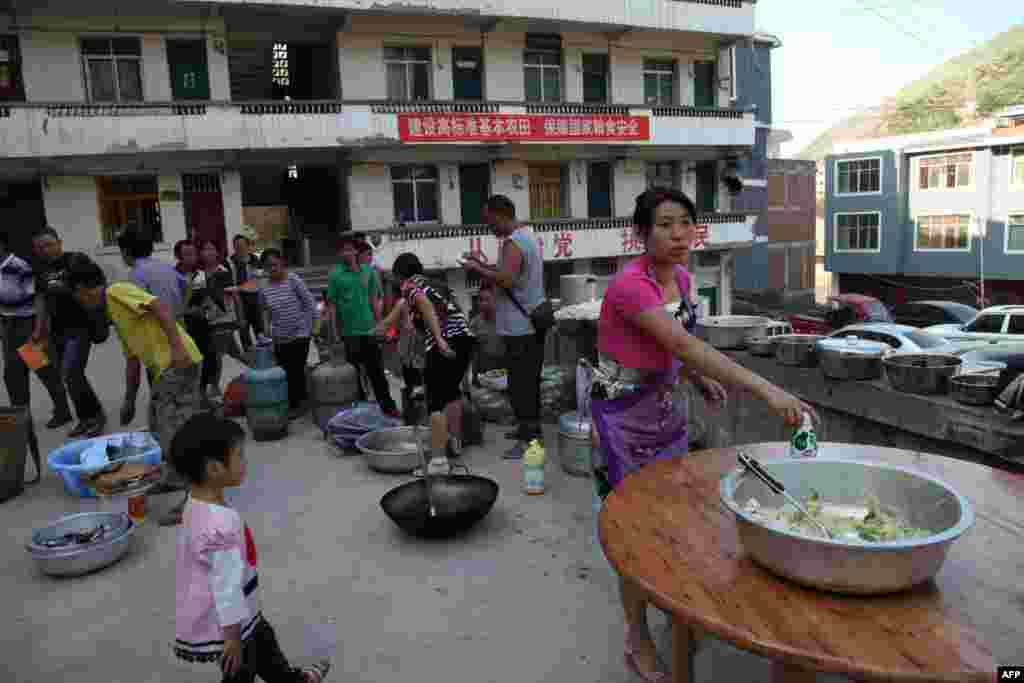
(527, 127)
(701, 238)
(563, 245)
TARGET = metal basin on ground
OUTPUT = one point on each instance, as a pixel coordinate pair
(797, 350)
(75, 559)
(460, 501)
(393, 450)
(975, 390)
(842, 566)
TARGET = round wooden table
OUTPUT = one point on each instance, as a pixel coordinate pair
(666, 529)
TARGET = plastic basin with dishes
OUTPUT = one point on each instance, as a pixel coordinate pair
(67, 461)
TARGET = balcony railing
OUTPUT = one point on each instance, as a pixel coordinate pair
(62, 129)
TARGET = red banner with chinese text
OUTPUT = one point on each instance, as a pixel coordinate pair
(525, 127)
(632, 244)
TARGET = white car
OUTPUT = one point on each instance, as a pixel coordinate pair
(994, 324)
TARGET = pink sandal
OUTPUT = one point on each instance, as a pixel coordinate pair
(317, 673)
(656, 676)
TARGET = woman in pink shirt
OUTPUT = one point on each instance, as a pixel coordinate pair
(644, 351)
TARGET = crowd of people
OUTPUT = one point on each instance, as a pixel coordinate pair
(177, 321)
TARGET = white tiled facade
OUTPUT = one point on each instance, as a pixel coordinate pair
(63, 133)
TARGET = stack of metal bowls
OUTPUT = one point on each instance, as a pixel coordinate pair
(57, 556)
(851, 358)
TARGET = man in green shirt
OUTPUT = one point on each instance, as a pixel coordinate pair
(354, 301)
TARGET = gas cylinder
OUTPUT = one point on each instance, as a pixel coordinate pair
(334, 386)
(266, 395)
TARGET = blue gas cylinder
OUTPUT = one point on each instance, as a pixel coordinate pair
(266, 395)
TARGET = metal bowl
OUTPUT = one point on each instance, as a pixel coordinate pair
(393, 450)
(761, 346)
(848, 567)
(921, 373)
(730, 331)
(78, 559)
(975, 390)
(797, 350)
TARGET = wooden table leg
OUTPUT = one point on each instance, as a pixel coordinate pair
(684, 646)
(787, 673)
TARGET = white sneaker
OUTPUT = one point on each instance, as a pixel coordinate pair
(438, 466)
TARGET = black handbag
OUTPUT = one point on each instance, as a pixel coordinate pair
(542, 316)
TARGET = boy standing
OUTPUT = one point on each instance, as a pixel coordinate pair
(218, 616)
(354, 301)
(149, 333)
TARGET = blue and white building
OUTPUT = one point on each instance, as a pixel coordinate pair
(931, 215)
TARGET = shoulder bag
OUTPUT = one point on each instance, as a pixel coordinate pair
(542, 316)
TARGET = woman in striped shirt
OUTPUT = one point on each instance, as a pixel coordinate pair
(449, 346)
(290, 309)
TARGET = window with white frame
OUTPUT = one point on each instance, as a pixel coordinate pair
(415, 193)
(857, 231)
(659, 82)
(859, 176)
(946, 172)
(1015, 232)
(542, 70)
(408, 71)
(113, 69)
(1017, 169)
(946, 232)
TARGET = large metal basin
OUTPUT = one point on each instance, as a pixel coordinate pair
(730, 331)
(78, 559)
(394, 450)
(921, 373)
(840, 566)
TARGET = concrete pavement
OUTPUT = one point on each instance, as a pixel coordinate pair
(522, 598)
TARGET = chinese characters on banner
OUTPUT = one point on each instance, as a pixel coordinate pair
(563, 245)
(528, 127)
(631, 244)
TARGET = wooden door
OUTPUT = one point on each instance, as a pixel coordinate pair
(204, 209)
(546, 195)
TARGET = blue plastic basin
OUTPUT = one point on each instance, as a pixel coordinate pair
(66, 461)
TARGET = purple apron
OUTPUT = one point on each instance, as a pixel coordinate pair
(639, 419)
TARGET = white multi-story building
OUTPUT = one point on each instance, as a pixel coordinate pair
(303, 118)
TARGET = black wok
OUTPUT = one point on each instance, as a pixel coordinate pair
(460, 501)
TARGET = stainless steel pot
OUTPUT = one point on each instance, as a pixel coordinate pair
(574, 444)
(393, 451)
(761, 346)
(975, 390)
(576, 289)
(76, 559)
(920, 373)
(843, 566)
(730, 331)
(797, 350)
(850, 358)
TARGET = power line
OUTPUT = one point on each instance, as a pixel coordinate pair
(905, 31)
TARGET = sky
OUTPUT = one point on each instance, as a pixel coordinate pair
(838, 56)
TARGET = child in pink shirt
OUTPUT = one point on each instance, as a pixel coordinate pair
(218, 615)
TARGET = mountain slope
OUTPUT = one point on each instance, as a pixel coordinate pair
(960, 92)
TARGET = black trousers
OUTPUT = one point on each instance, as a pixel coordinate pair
(262, 656)
(70, 350)
(524, 356)
(202, 334)
(292, 357)
(17, 331)
(253, 320)
(364, 353)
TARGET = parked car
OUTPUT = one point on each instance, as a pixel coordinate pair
(993, 324)
(928, 313)
(902, 338)
(842, 310)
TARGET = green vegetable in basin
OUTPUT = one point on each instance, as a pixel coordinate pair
(848, 524)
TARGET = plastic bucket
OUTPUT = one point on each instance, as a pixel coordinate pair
(66, 461)
(14, 434)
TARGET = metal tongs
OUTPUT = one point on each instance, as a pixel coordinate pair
(755, 468)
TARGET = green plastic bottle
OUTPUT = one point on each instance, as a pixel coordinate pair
(804, 442)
